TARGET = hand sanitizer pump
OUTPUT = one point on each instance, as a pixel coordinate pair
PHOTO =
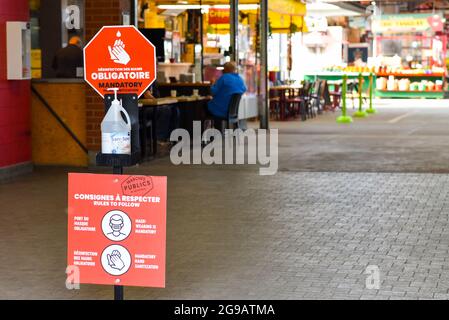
(115, 132)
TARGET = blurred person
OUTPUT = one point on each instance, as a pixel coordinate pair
(68, 59)
(152, 92)
(228, 84)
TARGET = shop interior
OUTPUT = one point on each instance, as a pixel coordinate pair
(403, 55)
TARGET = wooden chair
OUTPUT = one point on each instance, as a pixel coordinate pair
(325, 96)
(293, 102)
(313, 99)
(274, 103)
(283, 111)
(306, 96)
(335, 95)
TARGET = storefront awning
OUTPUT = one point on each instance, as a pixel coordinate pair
(281, 23)
(285, 16)
(287, 7)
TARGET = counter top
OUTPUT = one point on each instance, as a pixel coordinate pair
(157, 102)
(171, 100)
(184, 84)
(175, 64)
(336, 73)
(59, 80)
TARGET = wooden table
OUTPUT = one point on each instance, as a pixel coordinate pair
(157, 102)
(288, 95)
(193, 98)
(184, 88)
(171, 100)
(287, 87)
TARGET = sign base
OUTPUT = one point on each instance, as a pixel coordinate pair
(360, 114)
(344, 119)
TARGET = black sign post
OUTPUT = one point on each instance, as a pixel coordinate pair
(118, 161)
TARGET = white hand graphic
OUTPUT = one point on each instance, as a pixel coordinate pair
(114, 260)
(118, 53)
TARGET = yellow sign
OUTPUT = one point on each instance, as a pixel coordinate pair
(219, 16)
(36, 58)
(406, 23)
(36, 73)
(36, 63)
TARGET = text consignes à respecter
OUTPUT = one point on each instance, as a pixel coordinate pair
(110, 197)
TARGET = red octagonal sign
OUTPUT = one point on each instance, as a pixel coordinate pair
(120, 57)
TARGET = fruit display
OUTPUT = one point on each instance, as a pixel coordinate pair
(420, 72)
(389, 71)
(350, 69)
(404, 84)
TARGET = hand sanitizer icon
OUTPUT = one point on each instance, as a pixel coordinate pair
(115, 131)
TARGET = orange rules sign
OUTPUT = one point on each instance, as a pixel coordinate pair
(116, 229)
(120, 57)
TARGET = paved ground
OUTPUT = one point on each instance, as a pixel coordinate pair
(308, 232)
(406, 136)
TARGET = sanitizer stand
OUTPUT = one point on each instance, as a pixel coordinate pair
(130, 103)
(118, 161)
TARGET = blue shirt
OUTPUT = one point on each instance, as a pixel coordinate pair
(227, 85)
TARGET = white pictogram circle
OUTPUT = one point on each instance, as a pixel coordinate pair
(116, 225)
(116, 260)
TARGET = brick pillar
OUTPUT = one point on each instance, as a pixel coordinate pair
(98, 13)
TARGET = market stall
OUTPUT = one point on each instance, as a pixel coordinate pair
(409, 55)
(329, 54)
(286, 21)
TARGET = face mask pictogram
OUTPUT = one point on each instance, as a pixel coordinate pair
(116, 225)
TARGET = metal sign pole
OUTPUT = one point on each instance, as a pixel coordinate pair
(264, 123)
(118, 293)
(118, 290)
(344, 118)
(360, 113)
(201, 41)
(371, 110)
(118, 161)
(234, 27)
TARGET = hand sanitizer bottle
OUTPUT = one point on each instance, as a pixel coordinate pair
(115, 132)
